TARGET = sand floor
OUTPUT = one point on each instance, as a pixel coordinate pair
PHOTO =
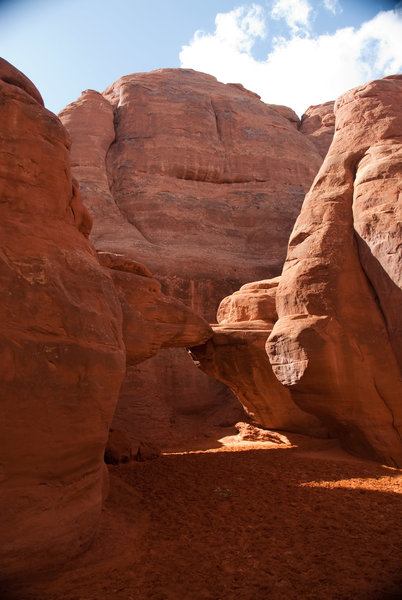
(238, 520)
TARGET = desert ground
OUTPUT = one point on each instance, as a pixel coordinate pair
(242, 516)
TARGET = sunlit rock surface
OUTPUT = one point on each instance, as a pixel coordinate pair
(200, 181)
(337, 342)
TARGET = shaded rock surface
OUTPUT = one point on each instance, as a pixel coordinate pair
(199, 180)
(172, 415)
(62, 356)
(151, 320)
(121, 448)
(65, 323)
(337, 343)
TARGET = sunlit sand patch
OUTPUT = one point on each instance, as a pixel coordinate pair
(392, 481)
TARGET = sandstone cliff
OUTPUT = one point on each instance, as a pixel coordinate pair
(65, 324)
(318, 124)
(337, 343)
(62, 353)
(202, 182)
(181, 170)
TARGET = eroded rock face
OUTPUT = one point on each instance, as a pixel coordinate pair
(318, 125)
(174, 413)
(337, 343)
(200, 181)
(180, 170)
(236, 356)
(62, 354)
(154, 323)
(67, 316)
(151, 320)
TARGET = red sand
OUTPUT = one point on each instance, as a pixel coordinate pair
(243, 521)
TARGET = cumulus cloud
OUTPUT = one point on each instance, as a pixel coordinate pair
(333, 6)
(302, 70)
(236, 30)
(296, 13)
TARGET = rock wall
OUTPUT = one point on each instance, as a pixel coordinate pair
(65, 323)
(337, 342)
(62, 353)
(318, 124)
(181, 170)
(199, 180)
(333, 317)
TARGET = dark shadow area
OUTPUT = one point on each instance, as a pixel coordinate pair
(387, 294)
(247, 525)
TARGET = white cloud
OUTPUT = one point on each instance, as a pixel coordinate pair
(333, 6)
(296, 13)
(302, 70)
(236, 30)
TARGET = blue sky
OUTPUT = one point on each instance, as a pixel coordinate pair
(292, 52)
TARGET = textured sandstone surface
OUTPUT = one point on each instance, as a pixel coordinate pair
(199, 180)
(154, 323)
(62, 354)
(318, 125)
(236, 356)
(151, 320)
(337, 343)
(67, 316)
(178, 410)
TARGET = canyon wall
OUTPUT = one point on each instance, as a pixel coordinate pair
(62, 352)
(337, 342)
(202, 182)
(67, 316)
(334, 316)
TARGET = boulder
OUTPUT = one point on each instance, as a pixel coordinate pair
(337, 342)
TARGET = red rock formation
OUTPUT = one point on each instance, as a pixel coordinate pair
(179, 409)
(236, 356)
(199, 180)
(63, 321)
(121, 448)
(338, 338)
(318, 125)
(151, 320)
(219, 207)
(62, 353)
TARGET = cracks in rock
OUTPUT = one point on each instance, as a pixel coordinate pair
(127, 218)
(390, 410)
(218, 127)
